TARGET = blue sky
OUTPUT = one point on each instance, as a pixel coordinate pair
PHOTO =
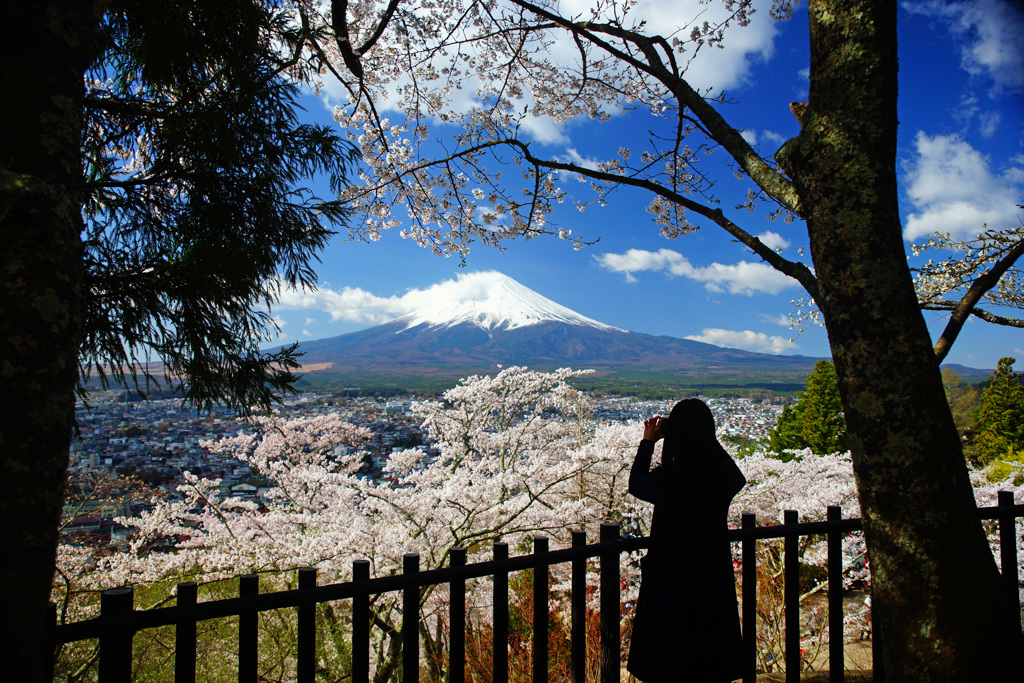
(961, 164)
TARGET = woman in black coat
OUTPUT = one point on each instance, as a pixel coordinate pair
(687, 625)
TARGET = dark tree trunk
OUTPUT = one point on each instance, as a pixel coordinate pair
(44, 59)
(935, 583)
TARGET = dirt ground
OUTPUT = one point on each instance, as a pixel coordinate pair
(818, 677)
(857, 666)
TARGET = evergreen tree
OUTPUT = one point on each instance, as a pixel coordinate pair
(823, 425)
(152, 201)
(787, 435)
(192, 152)
(816, 420)
(1000, 430)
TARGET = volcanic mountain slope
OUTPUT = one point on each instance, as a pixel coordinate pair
(501, 322)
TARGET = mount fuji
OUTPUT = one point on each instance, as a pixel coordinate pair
(491, 320)
(493, 301)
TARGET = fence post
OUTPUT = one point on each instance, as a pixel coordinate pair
(410, 619)
(305, 668)
(1008, 555)
(578, 638)
(791, 595)
(611, 610)
(540, 613)
(116, 646)
(748, 548)
(834, 544)
(360, 625)
(248, 629)
(185, 633)
(499, 600)
(457, 619)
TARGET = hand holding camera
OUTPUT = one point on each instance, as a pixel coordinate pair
(655, 427)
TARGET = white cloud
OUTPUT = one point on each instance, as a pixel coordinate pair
(574, 157)
(740, 278)
(307, 333)
(782, 320)
(310, 321)
(774, 240)
(279, 322)
(636, 260)
(349, 304)
(764, 137)
(354, 305)
(972, 112)
(988, 34)
(545, 130)
(745, 339)
(954, 190)
(989, 122)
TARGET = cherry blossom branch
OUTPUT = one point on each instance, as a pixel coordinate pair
(768, 178)
(989, 246)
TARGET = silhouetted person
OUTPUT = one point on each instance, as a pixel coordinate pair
(687, 625)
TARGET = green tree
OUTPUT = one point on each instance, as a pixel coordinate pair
(787, 434)
(151, 204)
(823, 426)
(815, 421)
(192, 154)
(1000, 430)
(964, 402)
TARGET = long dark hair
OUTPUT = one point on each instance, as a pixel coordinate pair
(690, 441)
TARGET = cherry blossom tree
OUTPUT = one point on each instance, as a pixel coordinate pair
(509, 466)
(441, 95)
(306, 521)
(514, 455)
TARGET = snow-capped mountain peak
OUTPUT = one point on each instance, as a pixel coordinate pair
(490, 300)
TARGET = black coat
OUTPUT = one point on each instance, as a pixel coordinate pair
(687, 625)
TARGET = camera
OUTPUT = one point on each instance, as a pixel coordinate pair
(664, 426)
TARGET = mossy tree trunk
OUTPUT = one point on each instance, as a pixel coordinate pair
(44, 47)
(934, 581)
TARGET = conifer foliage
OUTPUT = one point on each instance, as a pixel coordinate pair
(193, 213)
(816, 420)
(1000, 430)
(151, 204)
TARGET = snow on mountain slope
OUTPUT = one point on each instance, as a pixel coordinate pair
(490, 300)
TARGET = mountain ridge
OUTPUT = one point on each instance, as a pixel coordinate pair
(489, 320)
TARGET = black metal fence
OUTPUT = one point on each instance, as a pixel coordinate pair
(119, 621)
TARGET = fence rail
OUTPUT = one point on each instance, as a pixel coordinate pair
(119, 621)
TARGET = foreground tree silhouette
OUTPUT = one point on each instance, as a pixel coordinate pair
(149, 207)
(838, 175)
